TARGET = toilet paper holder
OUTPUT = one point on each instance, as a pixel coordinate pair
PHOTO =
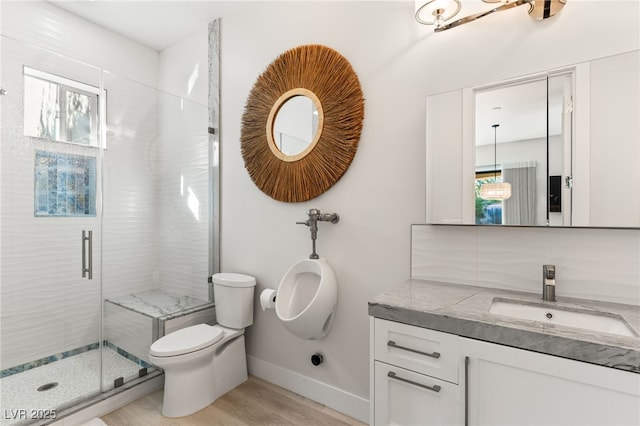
(268, 299)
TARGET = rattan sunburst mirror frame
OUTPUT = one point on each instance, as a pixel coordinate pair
(324, 75)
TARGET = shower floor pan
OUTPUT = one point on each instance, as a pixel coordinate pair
(61, 383)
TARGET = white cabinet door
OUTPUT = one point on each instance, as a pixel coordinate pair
(403, 397)
(507, 386)
(614, 135)
(445, 159)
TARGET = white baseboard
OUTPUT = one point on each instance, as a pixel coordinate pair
(337, 399)
(109, 403)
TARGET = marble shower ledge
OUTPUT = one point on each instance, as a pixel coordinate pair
(158, 303)
(464, 311)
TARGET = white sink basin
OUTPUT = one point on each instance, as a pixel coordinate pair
(595, 321)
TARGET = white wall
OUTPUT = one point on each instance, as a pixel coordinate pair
(377, 198)
(398, 62)
(183, 68)
(47, 26)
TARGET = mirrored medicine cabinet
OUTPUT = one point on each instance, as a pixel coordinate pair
(566, 141)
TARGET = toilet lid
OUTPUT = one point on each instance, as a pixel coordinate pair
(185, 340)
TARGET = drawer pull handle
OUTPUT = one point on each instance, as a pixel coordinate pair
(394, 345)
(434, 388)
(466, 391)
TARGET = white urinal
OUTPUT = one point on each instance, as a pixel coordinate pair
(307, 298)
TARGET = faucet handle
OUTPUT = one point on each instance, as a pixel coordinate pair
(549, 283)
(549, 271)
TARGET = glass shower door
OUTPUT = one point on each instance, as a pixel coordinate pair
(105, 196)
(155, 219)
(50, 300)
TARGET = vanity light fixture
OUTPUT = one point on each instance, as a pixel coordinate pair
(495, 190)
(438, 12)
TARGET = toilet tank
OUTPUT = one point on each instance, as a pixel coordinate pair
(233, 295)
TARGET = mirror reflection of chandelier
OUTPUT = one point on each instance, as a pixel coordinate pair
(439, 12)
(495, 190)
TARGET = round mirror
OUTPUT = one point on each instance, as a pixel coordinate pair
(292, 154)
(295, 124)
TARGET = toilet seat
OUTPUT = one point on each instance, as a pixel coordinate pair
(186, 340)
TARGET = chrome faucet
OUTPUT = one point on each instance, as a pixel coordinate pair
(549, 283)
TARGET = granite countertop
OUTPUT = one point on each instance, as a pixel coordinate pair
(464, 310)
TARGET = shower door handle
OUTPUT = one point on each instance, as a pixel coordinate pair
(87, 254)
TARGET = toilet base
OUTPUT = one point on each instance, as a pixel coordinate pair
(191, 388)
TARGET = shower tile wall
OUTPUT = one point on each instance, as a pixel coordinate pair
(46, 307)
(600, 264)
(156, 201)
(130, 185)
(154, 232)
(183, 197)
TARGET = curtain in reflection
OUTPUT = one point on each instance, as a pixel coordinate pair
(520, 208)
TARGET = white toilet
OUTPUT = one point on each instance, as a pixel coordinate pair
(203, 362)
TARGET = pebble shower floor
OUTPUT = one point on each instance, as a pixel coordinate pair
(75, 376)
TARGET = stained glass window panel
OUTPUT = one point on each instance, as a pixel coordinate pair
(65, 184)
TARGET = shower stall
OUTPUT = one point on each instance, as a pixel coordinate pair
(105, 230)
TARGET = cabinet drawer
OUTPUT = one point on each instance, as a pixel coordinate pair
(418, 349)
(403, 397)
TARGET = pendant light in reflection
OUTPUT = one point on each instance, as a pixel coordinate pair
(495, 190)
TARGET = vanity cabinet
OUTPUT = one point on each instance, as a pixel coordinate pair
(415, 371)
(508, 386)
(426, 377)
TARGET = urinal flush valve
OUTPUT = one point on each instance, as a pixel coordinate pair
(312, 223)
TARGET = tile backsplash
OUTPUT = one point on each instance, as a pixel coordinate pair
(591, 263)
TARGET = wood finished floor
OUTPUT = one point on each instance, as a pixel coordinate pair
(254, 402)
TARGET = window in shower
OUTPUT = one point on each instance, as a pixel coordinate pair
(60, 109)
(65, 184)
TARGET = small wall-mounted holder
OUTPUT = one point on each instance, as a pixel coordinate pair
(312, 223)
